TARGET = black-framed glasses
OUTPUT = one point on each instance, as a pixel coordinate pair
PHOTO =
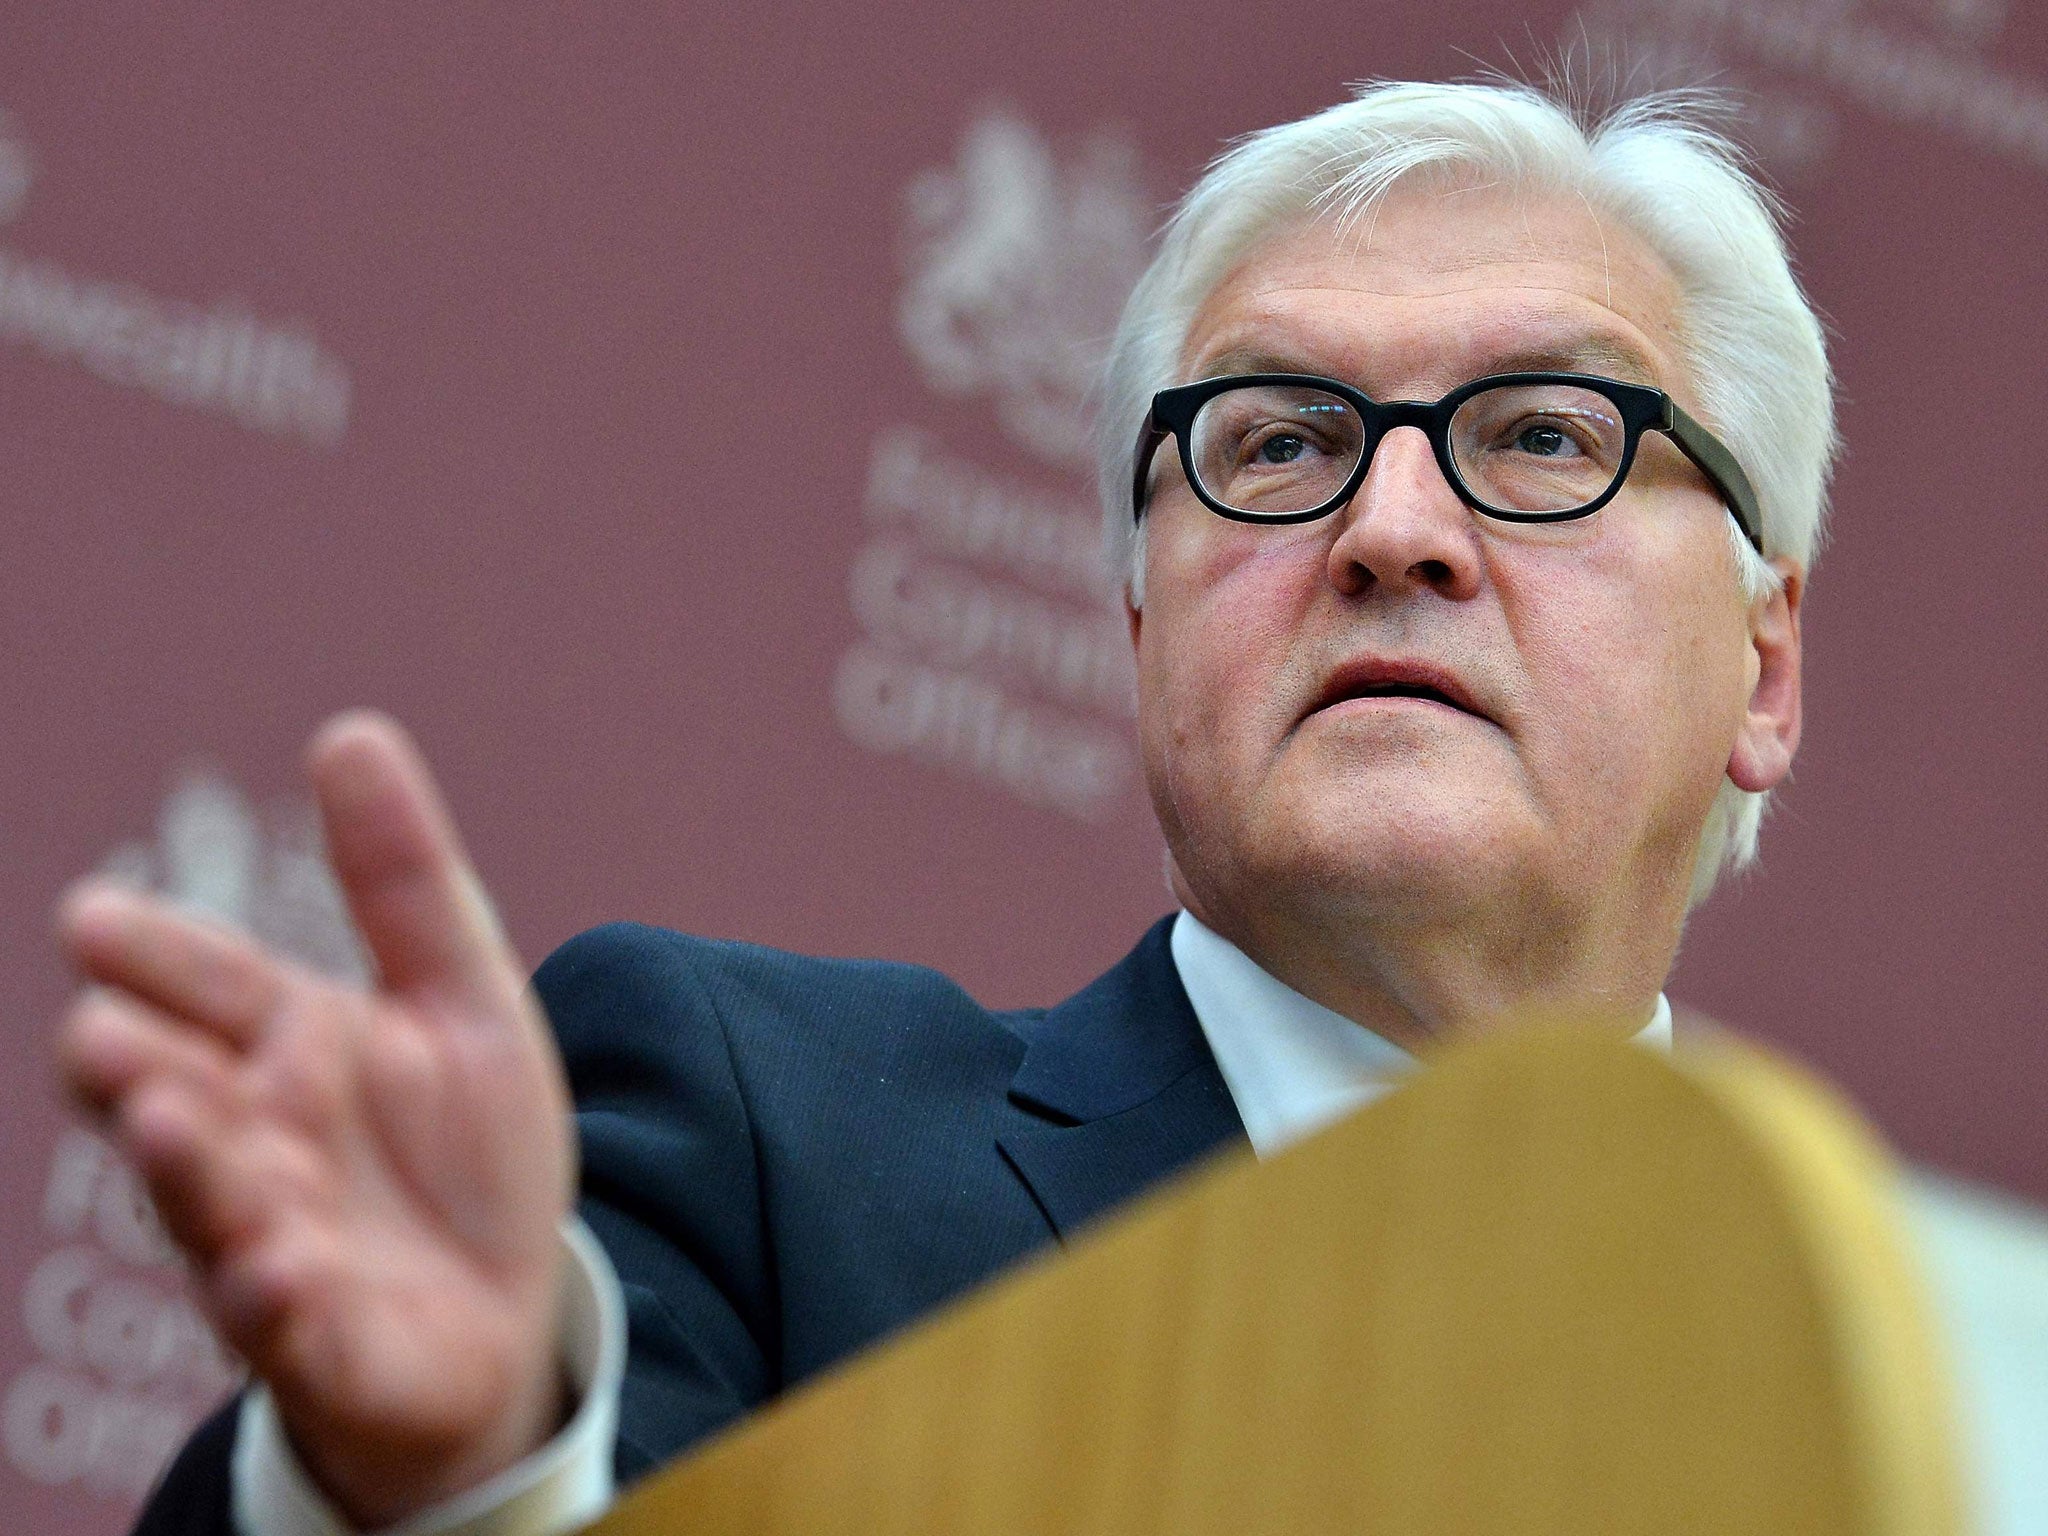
(1524, 447)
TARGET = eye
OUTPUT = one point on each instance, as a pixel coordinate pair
(1273, 449)
(1270, 444)
(1545, 439)
(1280, 448)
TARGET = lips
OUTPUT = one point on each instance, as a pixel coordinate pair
(1382, 677)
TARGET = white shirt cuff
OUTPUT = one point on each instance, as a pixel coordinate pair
(564, 1484)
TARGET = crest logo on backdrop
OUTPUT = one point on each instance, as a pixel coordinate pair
(272, 378)
(989, 646)
(125, 1364)
(1019, 271)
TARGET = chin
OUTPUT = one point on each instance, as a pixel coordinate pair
(1398, 825)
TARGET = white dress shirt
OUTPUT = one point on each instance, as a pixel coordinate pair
(1292, 1067)
(564, 1484)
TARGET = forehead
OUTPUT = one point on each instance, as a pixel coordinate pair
(1435, 287)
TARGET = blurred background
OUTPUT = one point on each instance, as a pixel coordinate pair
(677, 415)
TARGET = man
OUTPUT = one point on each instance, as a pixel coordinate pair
(1466, 468)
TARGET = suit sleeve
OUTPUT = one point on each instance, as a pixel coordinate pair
(671, 1182)
(194, 1496)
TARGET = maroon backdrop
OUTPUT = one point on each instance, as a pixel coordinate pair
(670, 412)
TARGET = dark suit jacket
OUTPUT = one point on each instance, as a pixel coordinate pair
(787, 1158)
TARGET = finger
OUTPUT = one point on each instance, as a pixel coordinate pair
(208, 1190)
(111, 1044)
(217, 978)
(269, 1295)
(417, 903)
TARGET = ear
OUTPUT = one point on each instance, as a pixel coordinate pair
(1769, 735)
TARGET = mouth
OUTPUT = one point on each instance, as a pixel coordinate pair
(1386, 683)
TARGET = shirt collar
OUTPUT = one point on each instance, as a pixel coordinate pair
(1292, 1065)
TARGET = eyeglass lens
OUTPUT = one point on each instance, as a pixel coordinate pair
(1274, 449)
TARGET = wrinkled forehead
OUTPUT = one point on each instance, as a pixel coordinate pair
(1433, 286)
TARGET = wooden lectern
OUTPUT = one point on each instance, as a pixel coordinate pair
(1556, 1284)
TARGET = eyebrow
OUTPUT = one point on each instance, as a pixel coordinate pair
(1605, 355)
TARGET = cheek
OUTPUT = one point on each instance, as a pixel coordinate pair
(1637, 669)
(1698, 634)
(1223, 618)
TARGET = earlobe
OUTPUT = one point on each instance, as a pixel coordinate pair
(1769, 734)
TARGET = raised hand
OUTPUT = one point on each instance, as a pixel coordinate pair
(368, 1183)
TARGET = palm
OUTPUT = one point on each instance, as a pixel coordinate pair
(410, 1139)
(368, 1183)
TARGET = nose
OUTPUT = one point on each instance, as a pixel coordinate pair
(1405, 528)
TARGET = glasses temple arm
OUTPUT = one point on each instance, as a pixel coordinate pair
(1149, 439)
(1714, 460)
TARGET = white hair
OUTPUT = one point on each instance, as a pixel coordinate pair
(1753, 347)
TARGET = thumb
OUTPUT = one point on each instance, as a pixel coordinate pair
(417, 903)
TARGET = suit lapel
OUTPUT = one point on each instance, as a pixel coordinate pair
(1119, 1090)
